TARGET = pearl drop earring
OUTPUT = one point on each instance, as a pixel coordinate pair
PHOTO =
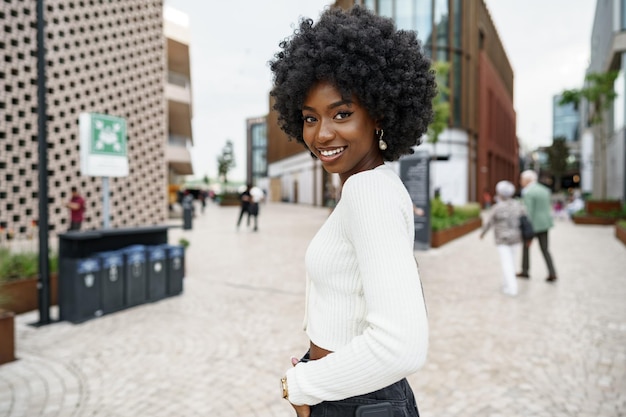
(382, 145)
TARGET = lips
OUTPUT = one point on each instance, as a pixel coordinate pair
(331, 153)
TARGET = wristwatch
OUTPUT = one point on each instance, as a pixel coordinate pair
(283, 385)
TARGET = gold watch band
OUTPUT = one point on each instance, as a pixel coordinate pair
(283, 383)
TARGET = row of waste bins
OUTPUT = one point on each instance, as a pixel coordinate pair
(106, 282)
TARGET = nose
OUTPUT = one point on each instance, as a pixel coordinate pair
(326, 132)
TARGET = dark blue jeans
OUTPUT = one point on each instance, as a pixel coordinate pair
(398, 394)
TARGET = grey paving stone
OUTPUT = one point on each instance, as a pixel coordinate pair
(219, 348)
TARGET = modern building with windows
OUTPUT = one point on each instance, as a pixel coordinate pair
(603, 148)
(179, 100)
(566, 124)
(256, 151)
(479, 147)
(102, 56)
(565, 120)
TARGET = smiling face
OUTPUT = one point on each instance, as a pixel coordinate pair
(339, 132)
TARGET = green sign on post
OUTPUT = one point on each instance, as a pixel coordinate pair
(108, 135)
(103, 148)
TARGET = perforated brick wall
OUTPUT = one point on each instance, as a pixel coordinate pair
(103, 56)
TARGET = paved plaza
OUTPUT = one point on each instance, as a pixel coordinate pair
(219, 349)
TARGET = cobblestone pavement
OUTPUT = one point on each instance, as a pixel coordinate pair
(219, 348)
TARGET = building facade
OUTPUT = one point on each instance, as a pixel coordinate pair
(565, 120)
(102, 56)
(604, 148)
(480, 146)
(179, 101)
(566, 124)
(256, 151)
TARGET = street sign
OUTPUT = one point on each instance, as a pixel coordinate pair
(415, 174)
(103, 147)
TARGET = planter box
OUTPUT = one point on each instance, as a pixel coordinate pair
(230, 200)
(23, 296)
(594, 220)
(441, 237)
(620, 233)
(604, 206)
(7, 336)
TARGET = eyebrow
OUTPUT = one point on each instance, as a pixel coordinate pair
(332, 106)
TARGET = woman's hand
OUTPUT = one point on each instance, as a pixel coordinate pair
(301, 410)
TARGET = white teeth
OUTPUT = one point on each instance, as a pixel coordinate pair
(331, 153)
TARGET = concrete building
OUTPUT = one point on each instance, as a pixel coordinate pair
(179, 100)
(604, 148)
(107, 57)
(480, 146)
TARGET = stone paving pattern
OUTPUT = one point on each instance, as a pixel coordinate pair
(220, 348)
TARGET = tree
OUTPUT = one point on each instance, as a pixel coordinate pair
(600, 94)
(558, 153)
(441, 104)
(441, 108)
(226, 161)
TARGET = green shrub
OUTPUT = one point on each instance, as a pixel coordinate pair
(441, 218)
(22, 264)
(468, 211)
(622, 223)
(17, 265)
(438, 209)
(439, 223)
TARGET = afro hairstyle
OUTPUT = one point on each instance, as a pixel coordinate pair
(366, 58)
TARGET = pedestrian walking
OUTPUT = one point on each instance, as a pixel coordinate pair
(77, 210)
(538, 201)
(505, 220)
(202, 195)
(244, 199)
(357, 92)
(256, 197)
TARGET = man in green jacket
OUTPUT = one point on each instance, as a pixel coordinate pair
(537, 199)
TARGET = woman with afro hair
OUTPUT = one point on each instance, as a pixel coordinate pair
(358, 92)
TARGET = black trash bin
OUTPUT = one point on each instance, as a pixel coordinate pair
(80, 289)
(112, 264)
(156, 272)
(187, 212)
(135, 272)
(175, 268)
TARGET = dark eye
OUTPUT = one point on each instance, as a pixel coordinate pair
(308, 119)
(343, 115)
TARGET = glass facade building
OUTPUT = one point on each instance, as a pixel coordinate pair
(257, 150)
(479, 146)
(438, 24)
(565, 120)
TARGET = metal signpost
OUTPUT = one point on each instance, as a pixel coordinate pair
(43, 284)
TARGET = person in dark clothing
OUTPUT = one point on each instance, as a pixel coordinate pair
(245, 204)
(538, 202)
(77, 210)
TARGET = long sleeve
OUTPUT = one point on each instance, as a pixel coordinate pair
(365, 298)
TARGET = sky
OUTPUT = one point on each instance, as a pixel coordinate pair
(547, 43)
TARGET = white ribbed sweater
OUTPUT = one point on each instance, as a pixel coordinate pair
(364, 296)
